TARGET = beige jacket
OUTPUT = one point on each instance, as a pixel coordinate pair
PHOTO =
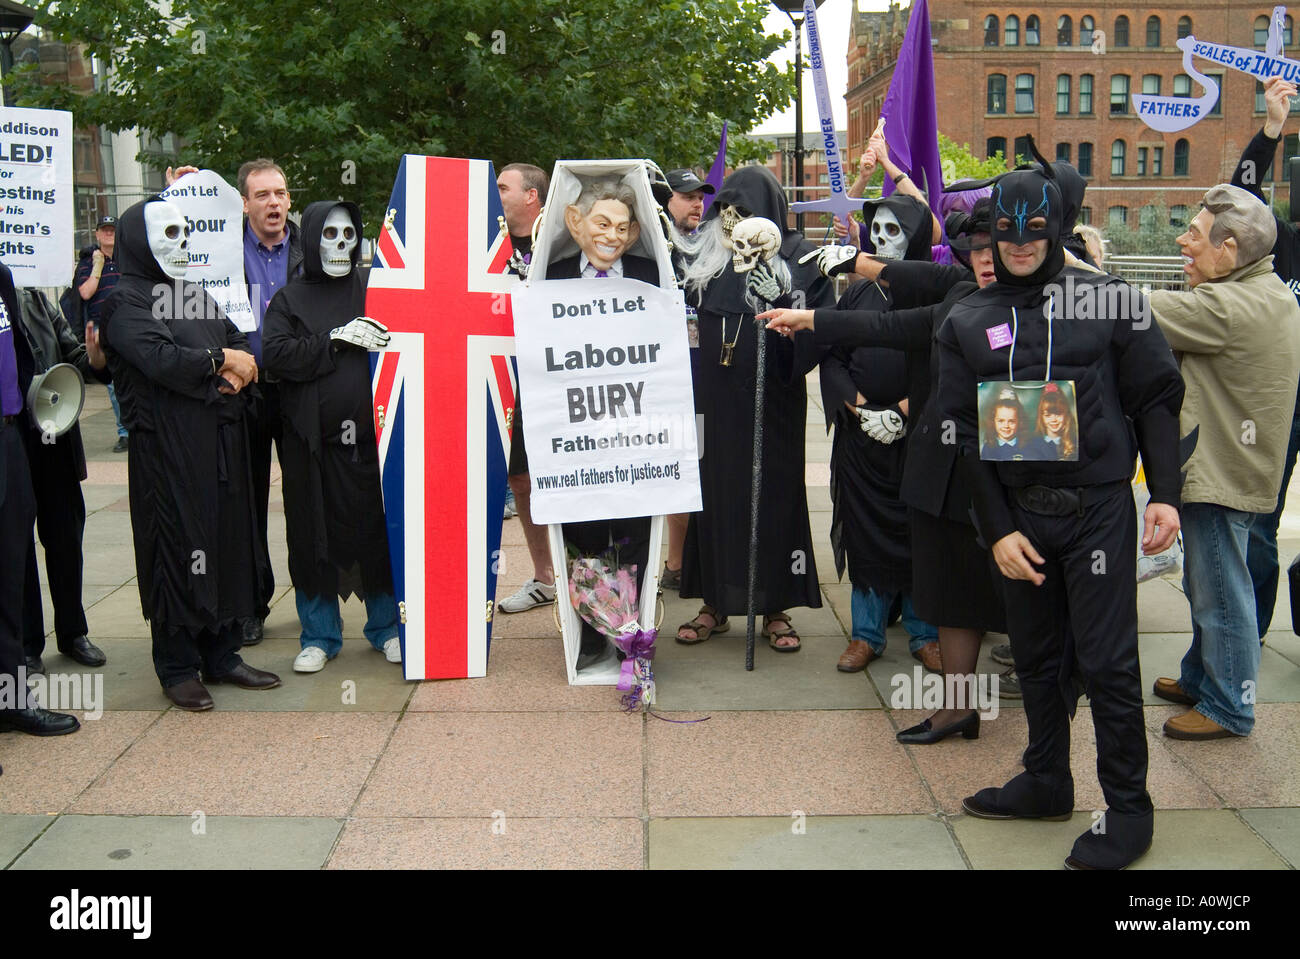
(1239, 345)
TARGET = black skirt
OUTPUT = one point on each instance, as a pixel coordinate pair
(955, 582)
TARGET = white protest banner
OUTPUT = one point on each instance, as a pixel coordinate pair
(605, 377)
(214, 211)
(36, 195)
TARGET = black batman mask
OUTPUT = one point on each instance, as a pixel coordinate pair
(1019, 199)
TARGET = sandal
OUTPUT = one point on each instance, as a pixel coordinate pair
(781, 632)
(701, 631)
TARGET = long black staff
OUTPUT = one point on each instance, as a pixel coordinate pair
(760, 377)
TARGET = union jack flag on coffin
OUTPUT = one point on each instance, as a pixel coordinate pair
(444, 398)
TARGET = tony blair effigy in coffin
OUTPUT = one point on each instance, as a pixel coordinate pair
(604, 370)
(444, 398)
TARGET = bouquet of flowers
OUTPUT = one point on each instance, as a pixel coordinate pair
(604, 594)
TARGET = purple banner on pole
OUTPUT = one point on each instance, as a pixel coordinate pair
(911, 123)
(717, 172)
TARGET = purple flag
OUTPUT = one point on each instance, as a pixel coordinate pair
(717, 172)
(911, 125)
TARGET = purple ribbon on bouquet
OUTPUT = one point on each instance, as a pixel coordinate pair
(638, 647)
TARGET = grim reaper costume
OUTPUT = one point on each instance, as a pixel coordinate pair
(333, 504)
(716, 561)
(198, 561)
(869, 527)
(1078, 515)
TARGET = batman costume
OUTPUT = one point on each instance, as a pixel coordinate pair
(333, 504)
(1078, 515)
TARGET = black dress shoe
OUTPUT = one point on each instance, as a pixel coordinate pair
(253, 631)
(248, 677)
(83, 651)
(923, 734)
(1024, 797)
(34, 665)
(38, 722)
(190, 695)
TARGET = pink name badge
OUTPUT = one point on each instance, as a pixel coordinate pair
(999, 336)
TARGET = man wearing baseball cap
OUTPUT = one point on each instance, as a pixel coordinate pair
(686, 203)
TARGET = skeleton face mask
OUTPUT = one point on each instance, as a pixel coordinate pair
(729, 216)
(338, 239)
(887, 235)
(752, 239)
(168, 238)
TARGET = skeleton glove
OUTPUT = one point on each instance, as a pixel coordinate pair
(363, 332)
(834, 259)
(518, 264)
(883, 426)
(762, 283)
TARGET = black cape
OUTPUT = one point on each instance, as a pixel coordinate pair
(199, 559)
(333, 504)
(716, 561)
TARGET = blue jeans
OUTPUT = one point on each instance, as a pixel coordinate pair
(871, 614)
(117, 410)
(1222, 667)
(322, 625)
(1261, 555)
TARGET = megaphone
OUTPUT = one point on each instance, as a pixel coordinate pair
(55, 399)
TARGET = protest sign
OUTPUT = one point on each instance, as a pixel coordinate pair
(213, 210)
(611, 421)
(36, 195)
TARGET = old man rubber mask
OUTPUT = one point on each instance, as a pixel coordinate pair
(338, 238)
(887, 235)
(605, 232)
(168, 238)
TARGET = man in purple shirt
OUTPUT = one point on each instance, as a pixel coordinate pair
(96, 276)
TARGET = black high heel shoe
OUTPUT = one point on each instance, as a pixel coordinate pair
(923, 735)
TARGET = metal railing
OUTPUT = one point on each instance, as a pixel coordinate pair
(1148, 273)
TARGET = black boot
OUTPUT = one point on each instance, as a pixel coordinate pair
(1114, 841)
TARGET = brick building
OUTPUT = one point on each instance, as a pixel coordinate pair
(1003, 71)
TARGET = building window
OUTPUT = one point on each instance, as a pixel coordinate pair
(1261, 32)
(1180, 158)
(1147, 217)
(1011, 32)
(1178, 215)
(1063, 152)
(1151, 83)
(1118, 150)
(1031, 31)
(1182, 85)
(1286, 30)
(1260, 104)
(1022, 149)
(1085, 215)
(997, 93)
(1086, 26)
(1064, 31)
(1085, 94)
(1117, 216)
(994, 146)
(1217, 109)
(1184, 27)
(1153, 31)
(1119, 93)
(1024, 93)
(1084, 165)
(1063, 93)
(1121, 31)
(1157, 161)
(1290, 147)
(990, 31)
(1142, 161)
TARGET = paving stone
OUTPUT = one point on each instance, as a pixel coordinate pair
(182, 842)
(17, 832)
(825, 842)
(1280, 828)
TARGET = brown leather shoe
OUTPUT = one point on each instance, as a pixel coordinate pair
(929, 657)
(191, 695)
(1194, 727)
(248, 677)
(1171, 690)
(856, 657)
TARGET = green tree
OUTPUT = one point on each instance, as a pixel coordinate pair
(338, 92)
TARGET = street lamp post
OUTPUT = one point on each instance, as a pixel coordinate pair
(14, 19)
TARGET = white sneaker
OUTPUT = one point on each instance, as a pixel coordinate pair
(531, 594)
(312, 659)
(393, 650)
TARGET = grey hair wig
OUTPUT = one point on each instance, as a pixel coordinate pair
(706, 259)
(1244, 217)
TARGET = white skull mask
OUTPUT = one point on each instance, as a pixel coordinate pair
(168, 236)
(752, 239)
(729, 216)
(887, 235)
(338, 238)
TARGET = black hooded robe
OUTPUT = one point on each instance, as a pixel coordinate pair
(716, 559)
(333, 503)
(869, 526)
(198, 561)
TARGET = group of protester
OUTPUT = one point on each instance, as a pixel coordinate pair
(954, 505)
